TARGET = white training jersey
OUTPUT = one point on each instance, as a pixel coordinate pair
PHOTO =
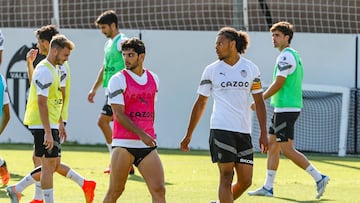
(231, 87)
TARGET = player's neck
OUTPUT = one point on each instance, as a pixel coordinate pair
(115, 34)
(232, 60)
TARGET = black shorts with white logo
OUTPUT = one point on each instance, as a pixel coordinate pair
(227, 146)
(282, 125)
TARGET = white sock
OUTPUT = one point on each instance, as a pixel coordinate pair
(314, 172)
(48, 195)
(24, 183)
(270, 177)
(71, 174)
(1, 161)
(38, 194)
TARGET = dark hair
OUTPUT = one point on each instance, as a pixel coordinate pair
(240, 37)
(46, 32)
(107, 17)
(285, 27)
(134, 43)
(60, 41)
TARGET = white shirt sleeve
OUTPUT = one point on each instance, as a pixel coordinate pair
(205, 83)
(64, 75)
(42, 79)
(286, 64)
(116, 87)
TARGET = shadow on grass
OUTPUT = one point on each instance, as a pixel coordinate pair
(139, 178)
(339, 164)
(308, 201)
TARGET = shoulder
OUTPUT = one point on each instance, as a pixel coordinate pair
(244, 62)
(287, 53)
(119, 76)
(214, 65)
(42, 71)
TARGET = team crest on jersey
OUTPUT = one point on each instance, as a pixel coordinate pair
(17, 80)
(243, 73)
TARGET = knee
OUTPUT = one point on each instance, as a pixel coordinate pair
(101, 121)
(227, 176)
(247, 182)
(244, 182)
(159, 191)
(114, 193)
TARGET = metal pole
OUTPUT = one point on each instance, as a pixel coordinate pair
(356, 94)
(56, 19)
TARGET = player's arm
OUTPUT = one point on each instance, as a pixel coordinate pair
(261, 116)
(275, 86)
(30, 58)
(124, 120)
(44, 116)
(5, 117)
(96, 85)
(196, 114)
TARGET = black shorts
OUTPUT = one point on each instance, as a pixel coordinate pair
(282, 125)
(139, 153)
(106, 110)
(39, 146)
(227, 146)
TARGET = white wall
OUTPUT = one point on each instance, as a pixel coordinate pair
(178, 57)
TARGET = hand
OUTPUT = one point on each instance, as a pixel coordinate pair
(253, 107)
(62, 133)
(48, 141)
(91, 96)
(31, 55)
(184, 144)
(264, 143)
(148, 140)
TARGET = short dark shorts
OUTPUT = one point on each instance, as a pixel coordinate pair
(282, 125)
(39, 147)
(139, 153)
(106, 110)
(227, 146)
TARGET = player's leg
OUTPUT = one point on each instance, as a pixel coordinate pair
(152, 170)
(244, 173)
(88, 186)
(226, 171)
(301, 160)
(38, 196)
(121, 161)
(243, 164)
